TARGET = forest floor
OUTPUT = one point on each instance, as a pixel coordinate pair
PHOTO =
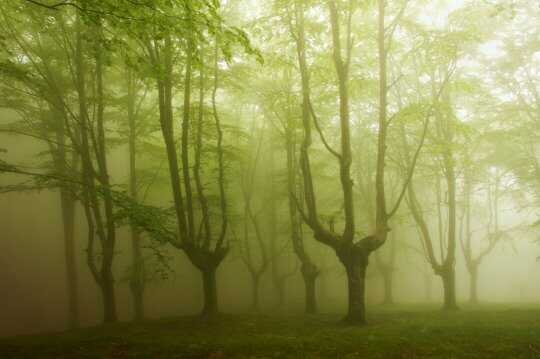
(492, 331)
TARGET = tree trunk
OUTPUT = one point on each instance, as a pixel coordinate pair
(210, 308)
(449, 286)
(137, 272)
(356, 281)
(428, 284)
(279, 284)
(138, 302)
(68, 219)
(473, 294)
(255, 280)
(137, 277)
(108, 296)
(388, 278)
(107, 283)
(310, 279)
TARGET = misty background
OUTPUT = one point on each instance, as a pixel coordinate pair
(466, 49)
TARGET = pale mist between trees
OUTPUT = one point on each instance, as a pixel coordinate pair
(171, 158)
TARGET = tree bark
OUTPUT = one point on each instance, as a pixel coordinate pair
(255, 281)
(197, 246)
(210, 308)
(184, 139)
(68, 219)
(355, 261)
(448, 277)
(279, 285)
(108, 297)
(67, 206)
(386, 269)
(388, 279)
(428, 285)
(310, 274)
(309, 270)
(136, 284)
(473, 289)
(137, 275)
(105, 227)
(356, 281)
(108, 243)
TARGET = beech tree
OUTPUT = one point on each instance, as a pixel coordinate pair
(352, 253)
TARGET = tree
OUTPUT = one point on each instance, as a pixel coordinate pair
(257, 264)
(352, 254)
(160, 42)
(43, 78)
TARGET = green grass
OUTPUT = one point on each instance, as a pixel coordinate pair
(397, 332)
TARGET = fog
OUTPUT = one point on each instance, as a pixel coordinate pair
(344, 161)
(33, 275)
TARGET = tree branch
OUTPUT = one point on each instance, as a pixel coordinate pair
(319, 130)
(54, 6)
(419, 148)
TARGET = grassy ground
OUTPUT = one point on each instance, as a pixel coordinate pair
(399, 332)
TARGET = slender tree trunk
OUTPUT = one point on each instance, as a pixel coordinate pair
(104, 225)
(473, 294)
(449, 271)
(107, 283)
(108, 296)
(137, 278)
(137, 275)
(449, 274)
(448, 277)
(309, 270)
(428, 285)
(386, 269)
(67, 206)
(210, 308)
(381, 215)
(184, 141)
(388, 279)
(279, 284)
(109, 241)
(68, 219)
(255, 281)
(310, 274)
